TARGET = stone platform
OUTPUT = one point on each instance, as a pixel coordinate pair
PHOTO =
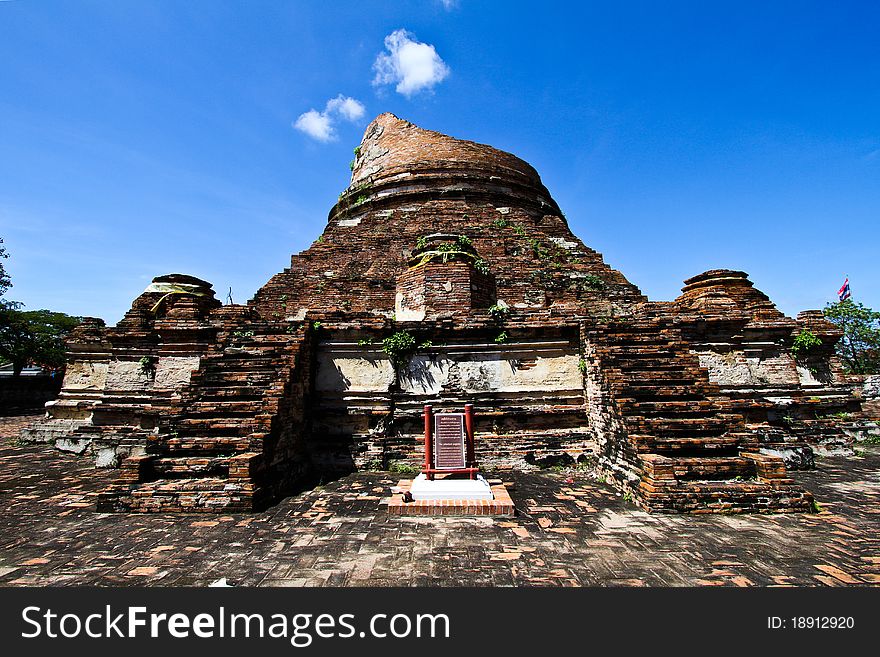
(500, 505)
(570, 529)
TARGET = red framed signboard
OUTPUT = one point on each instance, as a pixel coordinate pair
(450, 439)
(449, 443)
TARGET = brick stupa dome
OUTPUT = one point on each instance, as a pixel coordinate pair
(393, 148)
(408, 183)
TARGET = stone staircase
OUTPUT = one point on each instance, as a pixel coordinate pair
(217, 447)
(687, 452)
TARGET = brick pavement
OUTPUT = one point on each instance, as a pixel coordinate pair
(570, 530)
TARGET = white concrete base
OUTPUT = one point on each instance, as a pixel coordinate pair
(450, 489)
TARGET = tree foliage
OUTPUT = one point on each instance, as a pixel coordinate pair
(5, 281)
(804, 343)
(399, 347)
(859, 348)
(32, 336)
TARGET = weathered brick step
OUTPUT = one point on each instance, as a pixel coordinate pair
(214, 426)
(238, 393)
(261, 335)
(208, 494)
(669, 406)
(249, 362)
(638, 340)
(659, 371)
(223, 408)
(678, 424)
(635, 381)
(692, 444)
(725, 496)
(225, 379)
(635, 376)
(666, 428)
(641, 392)
(223, 372)
(622, 353)
(526, 433)
(683, 468)
(669, 413)
(631, 328)
(656, 364)
(210, 445)
(259, 342)
(191, 466)
(655, 346)
(238, 370)
(682, 382)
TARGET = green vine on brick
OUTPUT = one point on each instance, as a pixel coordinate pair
(498, 312)
(502, 337)
(805, 343)
(399, 347)
(459, 248)
(593, 282)
(147, 366)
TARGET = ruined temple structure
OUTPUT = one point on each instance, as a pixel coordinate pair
(446, 275)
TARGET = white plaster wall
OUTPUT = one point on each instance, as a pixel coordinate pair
(409, 309)
(338, 373)
(871, 388)
(499, 373)
(86, 375)
(806, 377)
(424, 375)
(495, 371)
(735, 368)
(174, 372)
(127, 375)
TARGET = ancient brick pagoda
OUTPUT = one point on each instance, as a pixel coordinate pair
(446, 275)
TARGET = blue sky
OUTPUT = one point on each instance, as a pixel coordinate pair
(143, 138)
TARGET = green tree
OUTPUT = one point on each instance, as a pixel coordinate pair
(859, 348)
(5, 281)
(34, 336)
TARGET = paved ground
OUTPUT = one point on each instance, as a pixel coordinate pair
(570, 530)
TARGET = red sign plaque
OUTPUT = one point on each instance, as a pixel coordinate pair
(449, 441)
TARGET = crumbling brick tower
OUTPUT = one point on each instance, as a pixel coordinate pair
(446, 274)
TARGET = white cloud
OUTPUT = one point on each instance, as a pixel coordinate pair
(414, 66)
(316, 125)
(449, 5)
(349, 108)
(321, 125)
